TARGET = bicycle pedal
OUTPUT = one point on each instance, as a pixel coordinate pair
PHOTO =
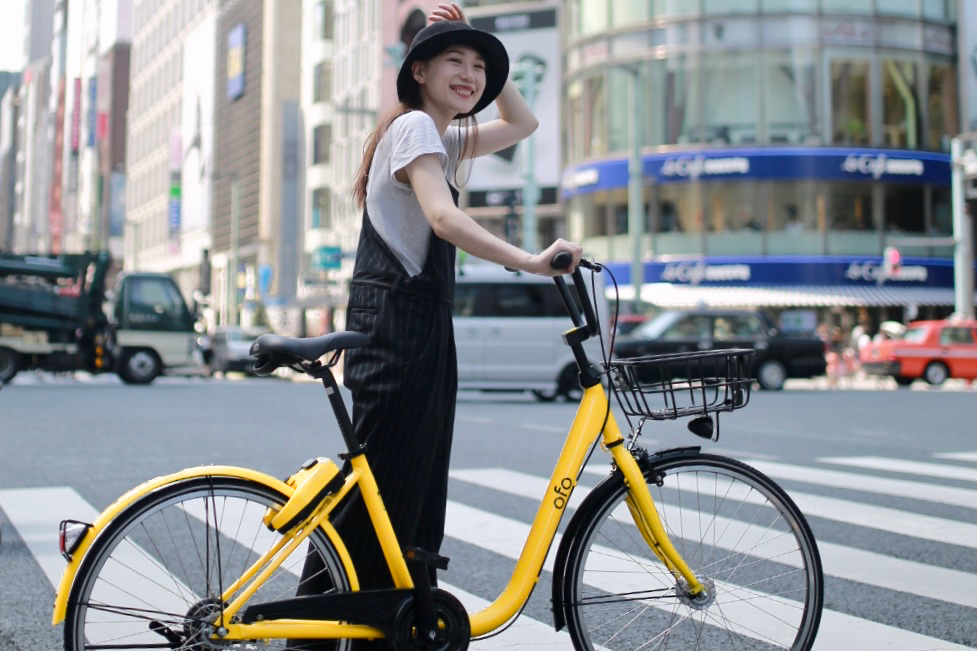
(427, 558)
(313, 482)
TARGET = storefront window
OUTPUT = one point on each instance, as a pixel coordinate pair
(805, 6)
(943, 120)
(593, 16)
(846, 6)
(942, 212)
(904, 208)
(595, 143)
(620, 109)
(675, 7)
(791, 98)
(628, 12)
(732, 223)
(793, 223)
(729, 6)
(575, 120)
(935, 9)
(850, 120)
(680, 219)
(900, 104)
(730, 99)
(898, 7)
(850, 216)
(681, 94)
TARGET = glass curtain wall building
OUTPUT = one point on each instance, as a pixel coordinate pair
(792, 140)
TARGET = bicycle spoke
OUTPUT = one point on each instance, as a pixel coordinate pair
(738, 537)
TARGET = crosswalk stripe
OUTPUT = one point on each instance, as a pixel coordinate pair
(838, 630)
(925, 527)
(941, 471)
(951, 495)
(849, 563)
(36, 512)
(957, 456)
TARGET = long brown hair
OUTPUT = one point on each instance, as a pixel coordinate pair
(412, 102)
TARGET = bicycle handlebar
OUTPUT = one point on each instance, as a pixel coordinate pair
(589, 318)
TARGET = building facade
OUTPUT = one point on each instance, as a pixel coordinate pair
(783, 143)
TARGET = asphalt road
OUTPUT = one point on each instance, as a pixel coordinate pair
(833, 450)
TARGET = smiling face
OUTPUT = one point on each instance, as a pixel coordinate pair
(452, 82)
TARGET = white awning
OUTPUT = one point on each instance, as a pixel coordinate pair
(674, 295)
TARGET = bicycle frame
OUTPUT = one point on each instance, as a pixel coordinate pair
(586, 427)
(593, 418)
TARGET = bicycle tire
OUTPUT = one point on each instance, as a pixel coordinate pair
(168, 557)
(739, 532)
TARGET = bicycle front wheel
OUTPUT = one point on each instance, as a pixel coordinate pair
(154, 577)
(738, 531)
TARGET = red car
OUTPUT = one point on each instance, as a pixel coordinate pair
(931, 350)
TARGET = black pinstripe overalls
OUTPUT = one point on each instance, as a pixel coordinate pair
(404, 387)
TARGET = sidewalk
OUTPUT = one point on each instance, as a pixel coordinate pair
(862, 382)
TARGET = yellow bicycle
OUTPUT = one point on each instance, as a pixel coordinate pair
(674, 549)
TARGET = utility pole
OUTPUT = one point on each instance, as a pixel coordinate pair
(963, 157)
(528, 73)
(635, 181)
(232, 311)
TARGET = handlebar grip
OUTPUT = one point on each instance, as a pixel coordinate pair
(561, 260)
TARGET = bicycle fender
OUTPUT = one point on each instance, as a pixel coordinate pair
(583, 513)
(109, 514)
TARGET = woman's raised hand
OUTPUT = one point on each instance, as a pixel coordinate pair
(448, 12)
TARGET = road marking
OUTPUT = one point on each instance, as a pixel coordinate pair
(951, 495)
(941, 471)
(838, 630)
(36, 513)
(544, 428)
(475, 419)
(957, 456)
(849, 563)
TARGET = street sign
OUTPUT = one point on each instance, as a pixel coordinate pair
(327, 257)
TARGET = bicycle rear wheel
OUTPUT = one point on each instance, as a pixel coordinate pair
(154, 577)
(740, 534)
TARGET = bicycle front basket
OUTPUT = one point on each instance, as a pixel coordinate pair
(665, 387)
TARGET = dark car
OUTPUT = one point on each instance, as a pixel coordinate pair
(777, 358)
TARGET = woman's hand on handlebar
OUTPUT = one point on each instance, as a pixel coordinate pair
(540, 263)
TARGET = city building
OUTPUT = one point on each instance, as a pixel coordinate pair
(235, 236)
(31, 222)
(784, 145)
(152, 226)
(99, 33)
(9, 115)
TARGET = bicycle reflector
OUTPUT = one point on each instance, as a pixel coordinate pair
(71, 533)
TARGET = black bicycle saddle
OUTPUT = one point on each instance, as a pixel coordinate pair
(287, 349)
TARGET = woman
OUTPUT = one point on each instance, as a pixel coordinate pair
(404, 384)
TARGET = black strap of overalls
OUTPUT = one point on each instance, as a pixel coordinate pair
(436, 280)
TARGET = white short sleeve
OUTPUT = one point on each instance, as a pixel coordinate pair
(411, 135)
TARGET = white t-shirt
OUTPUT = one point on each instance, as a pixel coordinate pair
(394, 211)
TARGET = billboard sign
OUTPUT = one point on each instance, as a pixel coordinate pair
(236, 40)
(532, 40)
(198, 123)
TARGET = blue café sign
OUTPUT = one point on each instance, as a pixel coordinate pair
(789, 270)
(771, 164)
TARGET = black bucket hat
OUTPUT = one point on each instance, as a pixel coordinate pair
(434, 39)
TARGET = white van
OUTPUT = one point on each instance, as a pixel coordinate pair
(508, 329)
